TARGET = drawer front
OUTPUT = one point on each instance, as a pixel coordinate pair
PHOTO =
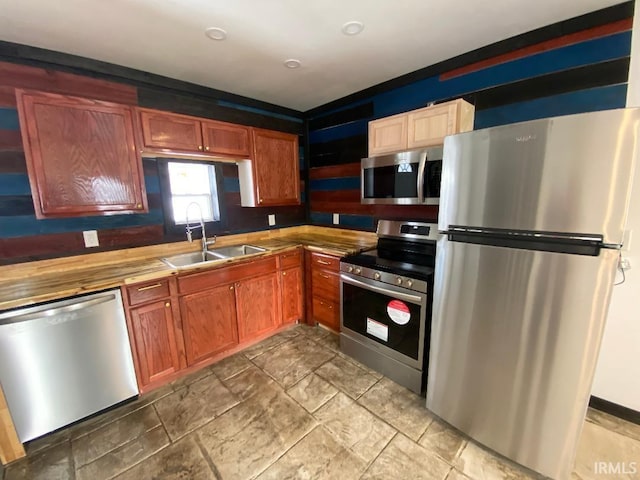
(201, 281)
(325, 284)
(291, 259)
(327, 313)
(328, 262)
(146, 292)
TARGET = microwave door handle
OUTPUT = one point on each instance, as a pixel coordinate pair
(422, 164)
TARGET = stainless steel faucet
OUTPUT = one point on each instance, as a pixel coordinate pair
(190, 228)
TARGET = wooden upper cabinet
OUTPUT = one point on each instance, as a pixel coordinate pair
(388, 135)
(424, 127)
(167, 131)
(276, 168)
(226, 139)
(170, 132)
(428, 126)
(81, 156)
(209, 322)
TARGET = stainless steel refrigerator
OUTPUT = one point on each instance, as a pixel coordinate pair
(532, 216)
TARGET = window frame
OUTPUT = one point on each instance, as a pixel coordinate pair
(173, 229)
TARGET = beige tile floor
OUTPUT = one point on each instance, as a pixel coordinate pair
(291, 407)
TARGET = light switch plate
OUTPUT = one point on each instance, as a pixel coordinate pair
(336, 219)
(272, 220)
(91, 238)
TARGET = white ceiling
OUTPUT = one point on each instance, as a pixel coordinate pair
(166, 37)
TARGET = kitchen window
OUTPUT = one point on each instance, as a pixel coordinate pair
(184, 183)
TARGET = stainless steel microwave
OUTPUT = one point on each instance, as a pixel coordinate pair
(406, 178)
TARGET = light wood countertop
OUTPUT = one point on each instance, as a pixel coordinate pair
(35, 282)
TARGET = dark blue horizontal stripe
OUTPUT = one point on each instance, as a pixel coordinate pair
(237, 106)
(9, 119)
(231, 184)
(344, 183)
(594, 99)
(359, 127)
(152, 183)
(321, 218)
(13, 205)
(419, 93)
(357, 221)
(354, 221)
(18, 184)
(25, 225)
(14, 184)
(339, 109)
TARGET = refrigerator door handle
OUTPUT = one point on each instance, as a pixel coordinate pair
(525, 234)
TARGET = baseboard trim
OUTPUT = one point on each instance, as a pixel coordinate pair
(614, 409)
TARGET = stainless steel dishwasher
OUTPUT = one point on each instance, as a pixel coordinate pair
(63, 361)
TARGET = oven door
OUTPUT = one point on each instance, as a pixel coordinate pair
(388, 318)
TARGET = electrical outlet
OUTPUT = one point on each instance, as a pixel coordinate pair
(336, 219)
(91, 238)
(625, 264)
(272, 220)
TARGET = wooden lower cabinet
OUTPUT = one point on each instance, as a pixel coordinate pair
(208, 322)
(291, 287)
(192, 319)
(257, 303)
(155, 343)
(323, 296)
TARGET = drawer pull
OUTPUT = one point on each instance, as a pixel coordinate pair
(322, 262)
(284, 273)
(231, 287)
(149, 287)
(167, 304)
(324, 275)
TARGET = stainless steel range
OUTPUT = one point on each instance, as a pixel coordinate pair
(385, 302)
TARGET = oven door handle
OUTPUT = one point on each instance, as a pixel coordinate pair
(417, 299)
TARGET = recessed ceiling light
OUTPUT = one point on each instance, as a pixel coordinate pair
(215, 33)
(352, 28)
(292, 63)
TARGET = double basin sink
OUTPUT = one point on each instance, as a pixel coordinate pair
(195, 258)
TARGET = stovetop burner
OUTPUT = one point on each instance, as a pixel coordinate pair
(371, 259)
(404, 248)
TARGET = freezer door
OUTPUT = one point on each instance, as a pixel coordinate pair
(568, 174)
(514, 343)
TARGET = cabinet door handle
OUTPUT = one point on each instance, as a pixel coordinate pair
(167, 304)
(231, 287)
(284, 273)
(200, 147)
(322, 262)
(206, 148)
(149, 287)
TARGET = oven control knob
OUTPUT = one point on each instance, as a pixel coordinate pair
(358, 271)
(376, 276)
(349, 269)
(399, 280)
(408, 283)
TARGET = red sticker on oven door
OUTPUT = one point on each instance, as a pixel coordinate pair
(398, 312)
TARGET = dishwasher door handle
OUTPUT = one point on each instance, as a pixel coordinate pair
(49, 311)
